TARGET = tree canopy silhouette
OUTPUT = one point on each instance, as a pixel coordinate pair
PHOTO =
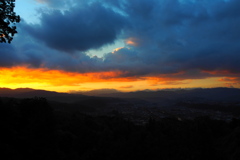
(8, 20)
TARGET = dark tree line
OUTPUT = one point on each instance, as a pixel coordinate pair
(8, 20)
(33, 130)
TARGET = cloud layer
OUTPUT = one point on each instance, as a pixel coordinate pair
(185, 39)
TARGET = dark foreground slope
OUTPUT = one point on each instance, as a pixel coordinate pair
(33, 130)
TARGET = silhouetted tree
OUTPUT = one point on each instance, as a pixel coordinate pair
(8, 20)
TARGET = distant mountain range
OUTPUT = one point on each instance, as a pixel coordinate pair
(27, 92)
(211, 94)
(214, 94)
(97, 92)
(30, 93)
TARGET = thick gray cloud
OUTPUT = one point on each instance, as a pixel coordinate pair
(169, 36)
(7, 56)
(83, 27)
(184, 36)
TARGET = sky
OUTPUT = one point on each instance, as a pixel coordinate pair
(128, 45)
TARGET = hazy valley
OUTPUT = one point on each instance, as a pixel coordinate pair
(217, 103)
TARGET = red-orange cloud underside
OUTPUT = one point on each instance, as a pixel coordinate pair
(58, 80)
(23, 74)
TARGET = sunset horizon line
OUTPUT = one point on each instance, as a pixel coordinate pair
(115, 90)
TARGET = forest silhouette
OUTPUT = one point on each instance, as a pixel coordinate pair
(32, 129)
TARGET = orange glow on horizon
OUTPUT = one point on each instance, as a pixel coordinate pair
(23, 74)
(220, 72)
(231, 81)
(63, 81)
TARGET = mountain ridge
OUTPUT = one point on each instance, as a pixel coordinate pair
(214, 94)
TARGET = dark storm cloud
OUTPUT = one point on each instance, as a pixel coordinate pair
(168, 37)
(7, 56)
(83, 27)
(176, 36)
(173, 37)
(25, 50)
